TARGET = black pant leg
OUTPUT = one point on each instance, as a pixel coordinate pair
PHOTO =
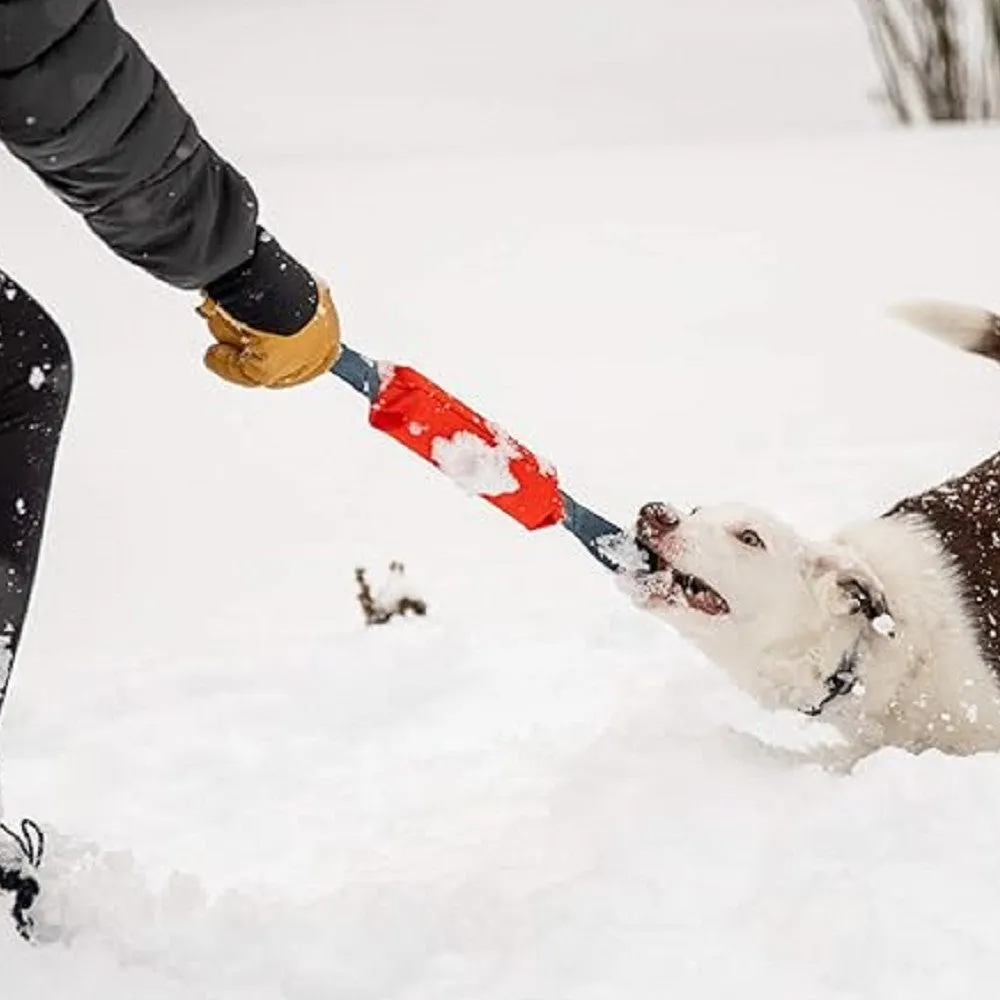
(35, 383)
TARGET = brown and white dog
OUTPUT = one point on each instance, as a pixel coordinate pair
(890, 631)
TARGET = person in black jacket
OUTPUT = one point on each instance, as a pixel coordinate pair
(84, 108)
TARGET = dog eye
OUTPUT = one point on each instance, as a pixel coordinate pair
(750, 538)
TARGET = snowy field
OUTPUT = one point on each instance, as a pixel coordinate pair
(655, 241)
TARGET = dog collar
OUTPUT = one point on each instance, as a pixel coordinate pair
(841, 682)
(845, 678)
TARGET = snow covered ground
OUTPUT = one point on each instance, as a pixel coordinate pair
(673, 290)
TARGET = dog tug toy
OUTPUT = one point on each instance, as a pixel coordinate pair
(482, 458)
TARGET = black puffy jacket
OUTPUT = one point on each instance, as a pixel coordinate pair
(86, 110)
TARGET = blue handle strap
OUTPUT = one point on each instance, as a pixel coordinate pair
(605, 541)
(359, 372)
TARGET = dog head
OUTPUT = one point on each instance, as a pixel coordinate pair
(775, 610)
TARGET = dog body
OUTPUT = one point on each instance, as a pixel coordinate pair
(890, 630)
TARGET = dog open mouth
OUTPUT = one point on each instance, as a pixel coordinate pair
(673, 586)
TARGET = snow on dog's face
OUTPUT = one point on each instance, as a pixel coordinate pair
(721, 569)
(774, 609)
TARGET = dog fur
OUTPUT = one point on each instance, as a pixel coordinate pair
(910, 598)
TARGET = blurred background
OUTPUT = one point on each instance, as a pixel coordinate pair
(391, 77)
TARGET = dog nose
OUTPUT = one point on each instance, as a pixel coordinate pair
(656, 520)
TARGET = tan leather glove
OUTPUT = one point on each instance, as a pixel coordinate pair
(248, 357)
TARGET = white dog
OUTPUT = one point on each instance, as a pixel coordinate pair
(890, 631)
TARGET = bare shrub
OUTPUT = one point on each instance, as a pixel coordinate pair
(939, 59)
(394, 599)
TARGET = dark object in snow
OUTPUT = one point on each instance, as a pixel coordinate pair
(20, 856)
(393, 600)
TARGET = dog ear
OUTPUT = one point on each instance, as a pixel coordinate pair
(849, 587)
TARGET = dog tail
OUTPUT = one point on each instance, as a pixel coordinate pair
(967, 327)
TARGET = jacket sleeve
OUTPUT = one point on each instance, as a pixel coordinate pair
(82, 105)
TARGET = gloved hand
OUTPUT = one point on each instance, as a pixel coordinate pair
(249, 357)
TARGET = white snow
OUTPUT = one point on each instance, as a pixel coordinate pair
(396, 586)
(601, 224)
(36, 379)
(624, 552)
(885, 625)
(477, 467)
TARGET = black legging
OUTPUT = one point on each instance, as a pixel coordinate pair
(35, 380)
